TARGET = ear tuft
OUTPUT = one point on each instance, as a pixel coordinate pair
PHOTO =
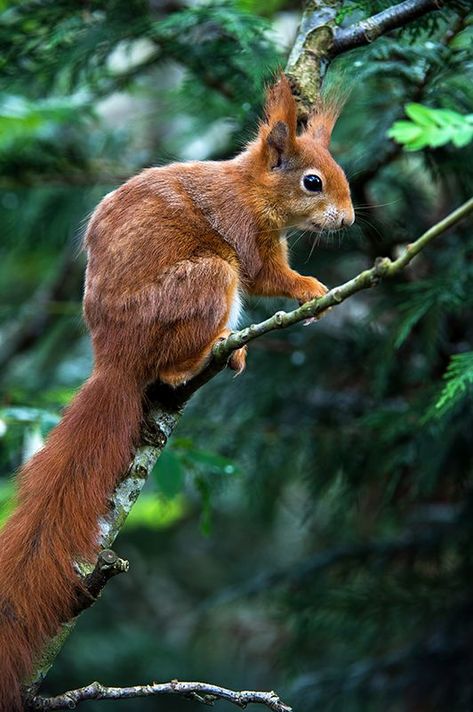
(278, 130)
(325, 113)
(281, 105)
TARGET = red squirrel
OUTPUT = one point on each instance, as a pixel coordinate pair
(169, 254)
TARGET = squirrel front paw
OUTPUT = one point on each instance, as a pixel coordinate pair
(316, 290)
(310, 288)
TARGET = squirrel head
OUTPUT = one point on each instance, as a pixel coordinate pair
(298, 181)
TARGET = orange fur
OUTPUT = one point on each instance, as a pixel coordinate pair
(325, 113)
(168, 254)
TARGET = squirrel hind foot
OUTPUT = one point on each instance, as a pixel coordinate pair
(237, 361)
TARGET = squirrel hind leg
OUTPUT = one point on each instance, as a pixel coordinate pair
(179, 374)
(237, 360)
(175, 376)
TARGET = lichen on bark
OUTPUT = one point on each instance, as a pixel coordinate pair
(309, 57)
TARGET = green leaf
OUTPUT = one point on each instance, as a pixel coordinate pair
(463, 40)
(463, 136)
(432, 127)
(404, 131)
(420, 114)
(413, 316)
(447, 117)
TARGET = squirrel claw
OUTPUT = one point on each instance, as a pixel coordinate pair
(312, 319)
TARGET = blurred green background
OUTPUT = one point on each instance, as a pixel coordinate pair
(310, 527)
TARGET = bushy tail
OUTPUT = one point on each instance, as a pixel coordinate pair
(63, 491)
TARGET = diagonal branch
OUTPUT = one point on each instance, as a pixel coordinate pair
(383, 267)
(199, 691)
(392, 18)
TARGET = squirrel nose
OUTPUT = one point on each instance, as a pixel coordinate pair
(348, 217)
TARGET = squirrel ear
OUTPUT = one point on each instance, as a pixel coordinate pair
(277, 144)
(324, 115)
(278, 131)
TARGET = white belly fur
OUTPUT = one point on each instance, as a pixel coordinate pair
(235, 312)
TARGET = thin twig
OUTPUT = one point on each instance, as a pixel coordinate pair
(199, 691)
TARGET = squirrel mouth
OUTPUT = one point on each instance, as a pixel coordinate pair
(314, 226)
(321, 229)
(317, 227)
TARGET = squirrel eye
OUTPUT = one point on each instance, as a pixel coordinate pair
(312, 183)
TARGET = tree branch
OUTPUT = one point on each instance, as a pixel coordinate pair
(199, 691)
(108, 565)
(310, 55)
(160, 423)
(366, 31)
(319, 40)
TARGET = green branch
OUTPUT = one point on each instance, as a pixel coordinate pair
(383, 267)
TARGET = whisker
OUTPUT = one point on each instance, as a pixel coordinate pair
(300, 236)
(314, 243)
(296, 242)
(376, 205)
(379, 220)
(373, 227)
